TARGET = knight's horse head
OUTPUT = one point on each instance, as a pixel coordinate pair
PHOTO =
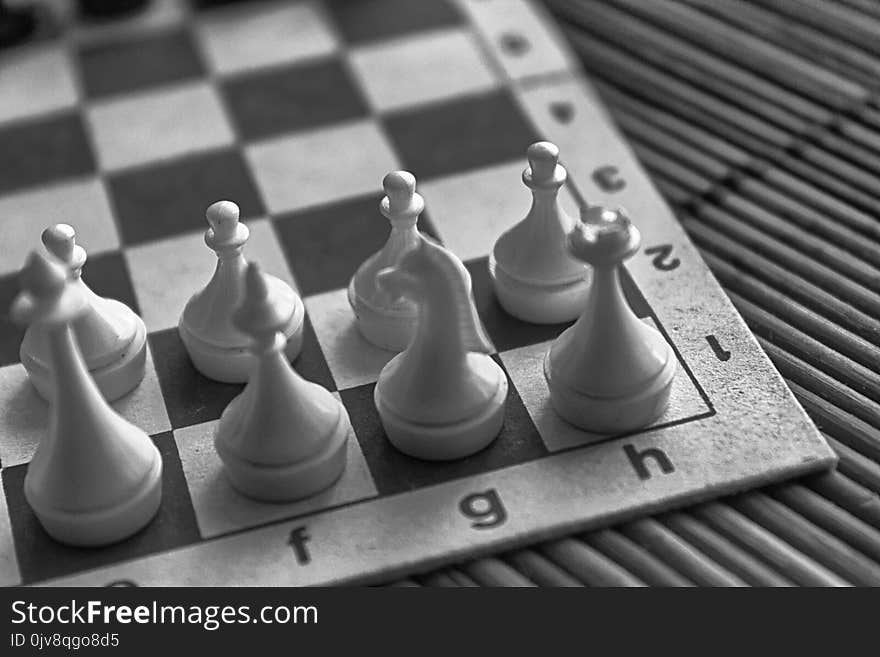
(437, 281)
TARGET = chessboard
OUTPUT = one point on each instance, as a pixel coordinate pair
(296, 111)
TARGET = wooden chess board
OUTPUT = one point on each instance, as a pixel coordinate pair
(296, 111)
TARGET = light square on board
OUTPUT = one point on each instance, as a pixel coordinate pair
(166, 273)
(35, 81)
(26, 418)
(27, 213)
(240, 39)
(330, 164)
(421, 68)
(220, 508)
(352, 360)
(471, 210)
(158, 125)
(526, 369)
(526, 47)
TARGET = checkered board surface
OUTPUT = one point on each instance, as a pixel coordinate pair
(296, 111)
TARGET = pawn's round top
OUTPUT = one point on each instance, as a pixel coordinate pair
(60, 240)
(603, 237)
(544, 170)
(401, 200)
(226, 232)
(257, 316)
(45, 295)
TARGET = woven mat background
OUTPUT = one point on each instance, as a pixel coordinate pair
(759, 121)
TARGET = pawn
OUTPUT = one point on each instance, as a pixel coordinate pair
(283, 438)
(443, 397)
(389, 323)
(95, 478)
(534, 277)
(111, 337)
(216, 347)
(609, 372)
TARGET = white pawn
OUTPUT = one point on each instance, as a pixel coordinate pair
(443, 398)
(95, 478)
(282, 438)
(389, 323)
(111, 337)
(215, 346)
(534, 277)
(609, 372)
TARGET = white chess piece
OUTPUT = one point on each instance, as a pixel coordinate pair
(215, 346)
(95, 478)
(389, 323)
(282, 438)
(443, 397)
(111, 337)
(534, 277)
(609, 372)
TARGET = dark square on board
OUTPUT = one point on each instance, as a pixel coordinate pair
(107, 275)
(395, 472)
(138, 64)
(169, 198)
(44, 151)
(461, 134)
(507, 332)
(41, 557)
(310, 363)
(325, 246)
(291, 98)
(11, 334)
(190, 397)
(369, 20)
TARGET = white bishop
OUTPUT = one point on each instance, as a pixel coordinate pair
(282, 438)
(94, 478)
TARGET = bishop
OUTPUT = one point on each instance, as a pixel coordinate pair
(283, 438)
(95, 478)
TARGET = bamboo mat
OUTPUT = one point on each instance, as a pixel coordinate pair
(759, 121)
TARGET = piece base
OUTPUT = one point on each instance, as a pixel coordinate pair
(234, 364)
(446, 442)
(289, 482)
(392, 332)
(610, 415)
(551, 303)
(97, 528)
(114, 380)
